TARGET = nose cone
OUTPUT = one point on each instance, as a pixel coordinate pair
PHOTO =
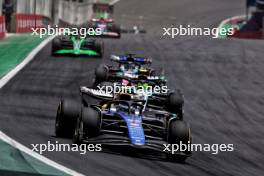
(136, 132)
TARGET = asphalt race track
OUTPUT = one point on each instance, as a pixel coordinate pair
(222, 80)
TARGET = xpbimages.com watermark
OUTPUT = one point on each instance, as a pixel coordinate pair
(189, 147)
(50, 31)
(188, 30)
(59, 147)
(139, 89)
(171, 148)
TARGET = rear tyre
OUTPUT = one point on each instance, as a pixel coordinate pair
(55, 46)
(179, 132)
(99, 48)
(91, 120)
(101, 73)
(67, 113)
(117, 29)
(175, 103)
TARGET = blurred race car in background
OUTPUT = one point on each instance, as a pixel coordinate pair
(107, 27)
(77, 45)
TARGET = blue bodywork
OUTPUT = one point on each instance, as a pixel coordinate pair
(134, 126)
(136, 59)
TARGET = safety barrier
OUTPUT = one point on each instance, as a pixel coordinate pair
(25, 22)
(2, 27)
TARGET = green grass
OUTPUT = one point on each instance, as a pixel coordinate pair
(17, 163)
(14, 49)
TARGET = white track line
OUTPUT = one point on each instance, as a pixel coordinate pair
(19, 67)
(37, 156)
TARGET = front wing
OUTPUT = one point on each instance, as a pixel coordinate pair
(118, 140)
(88, 52)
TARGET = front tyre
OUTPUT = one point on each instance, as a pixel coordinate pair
(179, 133)
(99, 48)
(117, 29)
(67, 113)
(78, 132)
(91, 120)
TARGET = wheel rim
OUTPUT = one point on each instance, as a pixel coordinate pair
(78, 133)
(80, 136)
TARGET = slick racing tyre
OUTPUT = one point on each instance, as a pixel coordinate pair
(91, 121)
(117, 28)
(179, 132)
(78, 132)
(101, 73)
(56, 45)
(67, 113)
(175, 103)
(99, 47)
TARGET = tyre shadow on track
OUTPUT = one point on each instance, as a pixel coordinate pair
(130, 151)
(140, 153)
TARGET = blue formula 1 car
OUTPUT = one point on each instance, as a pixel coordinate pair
(121, 121)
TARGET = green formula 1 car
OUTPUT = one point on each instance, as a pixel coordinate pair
(77, 45)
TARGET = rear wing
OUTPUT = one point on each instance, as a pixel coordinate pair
(102, 95)
(130, 59)
(106, 20)
(95, 93)
(154, 79)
